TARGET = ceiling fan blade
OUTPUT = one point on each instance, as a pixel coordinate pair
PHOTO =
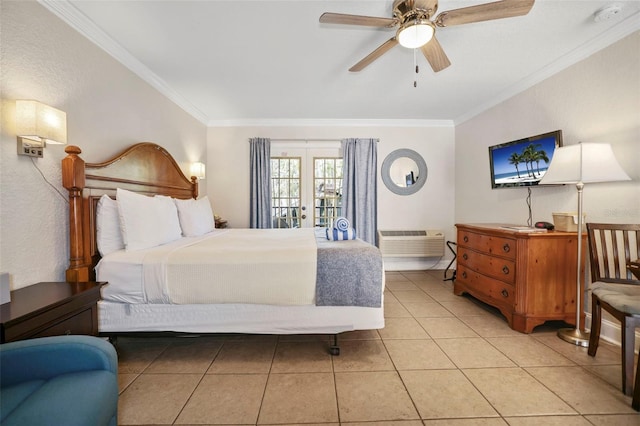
(374, 55)
(484, 12)
(368, 21)
(435, 55)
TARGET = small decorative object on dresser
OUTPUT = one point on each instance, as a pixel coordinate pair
(529, 276)
(50, 309)
(220, 222)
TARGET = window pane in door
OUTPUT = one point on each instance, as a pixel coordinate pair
(327, 180)
(285, 191)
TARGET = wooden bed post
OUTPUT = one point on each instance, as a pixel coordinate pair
(73, 180)
(194, 182)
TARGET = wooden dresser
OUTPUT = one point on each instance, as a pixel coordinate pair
(529, 277)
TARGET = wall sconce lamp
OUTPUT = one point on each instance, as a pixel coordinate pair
(198, 170)
(37, 125)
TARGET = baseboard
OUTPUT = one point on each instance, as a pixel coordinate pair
(611, 332)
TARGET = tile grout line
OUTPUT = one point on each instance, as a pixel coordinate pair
(204, 374)
(266, 384)
(459, 369)
(427, 284)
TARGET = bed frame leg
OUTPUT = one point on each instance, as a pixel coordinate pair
(334, 349)
(113, 339)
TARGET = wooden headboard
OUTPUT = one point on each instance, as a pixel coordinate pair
(146, 168)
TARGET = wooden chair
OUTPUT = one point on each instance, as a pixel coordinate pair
(611, 248)
(635, 402)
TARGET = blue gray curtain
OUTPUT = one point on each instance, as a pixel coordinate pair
(260, 191)
(359, 186)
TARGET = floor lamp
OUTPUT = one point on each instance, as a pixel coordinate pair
(580, 164)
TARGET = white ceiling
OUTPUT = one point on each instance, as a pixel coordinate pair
(240, 61)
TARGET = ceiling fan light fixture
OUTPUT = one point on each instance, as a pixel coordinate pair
(415, 33)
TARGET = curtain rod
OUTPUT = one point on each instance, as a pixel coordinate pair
(304, 140)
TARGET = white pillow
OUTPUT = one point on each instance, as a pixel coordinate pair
(147, 221)
(196, 216)
(109, 234)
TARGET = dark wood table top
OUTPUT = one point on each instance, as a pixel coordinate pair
(45, 295)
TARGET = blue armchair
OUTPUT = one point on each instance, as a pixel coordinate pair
(61, 380)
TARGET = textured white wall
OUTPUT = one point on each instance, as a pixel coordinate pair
(430, 208)
(108, 108)
(595, 100)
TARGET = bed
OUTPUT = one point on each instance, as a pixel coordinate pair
(328, 287)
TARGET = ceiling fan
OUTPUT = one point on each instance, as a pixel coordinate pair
(417, 25)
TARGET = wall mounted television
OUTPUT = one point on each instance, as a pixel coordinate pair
(522, 162)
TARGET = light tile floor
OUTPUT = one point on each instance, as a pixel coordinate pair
(441, 360)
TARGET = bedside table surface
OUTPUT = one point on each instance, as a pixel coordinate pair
(35, 298)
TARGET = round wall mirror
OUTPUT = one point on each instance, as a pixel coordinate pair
(404, 172)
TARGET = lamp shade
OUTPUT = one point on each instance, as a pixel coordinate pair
(584, 162)
(415, 33)
(198, 170)
(40, 122)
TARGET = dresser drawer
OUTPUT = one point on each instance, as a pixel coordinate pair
(497, 246)
(497, 290)
(495, 267)
(81, 323)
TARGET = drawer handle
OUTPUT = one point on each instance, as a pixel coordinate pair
(465, 239)
(465, 257)
(505, 270)
(506, 248)
(464, 274)
(504, 293)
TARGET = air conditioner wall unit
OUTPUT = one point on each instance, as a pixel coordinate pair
(429, 243)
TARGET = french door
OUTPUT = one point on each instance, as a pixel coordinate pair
(306, 186)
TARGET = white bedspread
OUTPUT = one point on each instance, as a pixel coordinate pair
(258, 266)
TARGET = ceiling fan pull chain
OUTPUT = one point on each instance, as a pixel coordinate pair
(415, 64)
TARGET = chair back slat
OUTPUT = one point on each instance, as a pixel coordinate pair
(611, 247)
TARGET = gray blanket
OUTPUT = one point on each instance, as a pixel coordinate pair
(349, 273)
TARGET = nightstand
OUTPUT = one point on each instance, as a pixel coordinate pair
(220, 223)
(50, 309)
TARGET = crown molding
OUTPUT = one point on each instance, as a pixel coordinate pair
(79, 22)
(630, 25)
(330, 123)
